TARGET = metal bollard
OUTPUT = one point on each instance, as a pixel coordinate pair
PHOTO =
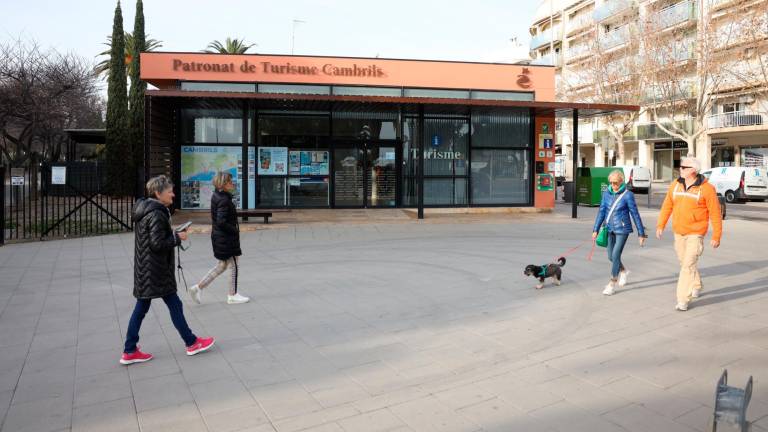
(731, 403)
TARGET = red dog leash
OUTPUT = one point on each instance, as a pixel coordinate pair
(573, 249)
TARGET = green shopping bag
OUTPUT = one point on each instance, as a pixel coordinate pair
(602, 237)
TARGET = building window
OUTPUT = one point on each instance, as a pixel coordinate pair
(212, 126)
(367, 91)
(436, 93)
(294, 89)
(500, 176)
(218, 87)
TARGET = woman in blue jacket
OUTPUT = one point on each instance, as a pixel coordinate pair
(616, 207)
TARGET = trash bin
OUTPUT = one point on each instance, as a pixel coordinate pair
(568, 191)
(592, 181)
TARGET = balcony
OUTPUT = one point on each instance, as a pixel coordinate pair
(736, 119)
(670, 94)
(717, 4)
(577, 51)
(683, 12)
(549, 60)
(611, 8)
(546, 37)
(614, 39)
(651, 130)
(580, 22)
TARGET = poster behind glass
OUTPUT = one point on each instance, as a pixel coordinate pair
(199, 165)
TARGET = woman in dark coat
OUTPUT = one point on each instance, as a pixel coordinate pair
(153, 270)
(225, 236)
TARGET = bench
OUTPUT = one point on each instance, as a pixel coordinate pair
(263, 213)
(245, 214)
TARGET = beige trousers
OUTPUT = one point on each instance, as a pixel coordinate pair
(688, 248)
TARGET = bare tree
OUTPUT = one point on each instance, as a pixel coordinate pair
(750, 64)
(683, 72)
(41, 94)
(610, 75)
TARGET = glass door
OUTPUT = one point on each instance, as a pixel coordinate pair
(365, 174)
(381, 175)
(348, 176)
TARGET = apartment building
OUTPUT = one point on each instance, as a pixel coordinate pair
(596, 46)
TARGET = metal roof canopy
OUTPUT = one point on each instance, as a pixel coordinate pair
(87, 136)
(356, 103)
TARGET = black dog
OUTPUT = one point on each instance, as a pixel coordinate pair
(553, 270)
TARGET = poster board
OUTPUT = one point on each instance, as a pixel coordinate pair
(273, 160)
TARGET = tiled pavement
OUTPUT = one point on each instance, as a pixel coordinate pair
(386, 326)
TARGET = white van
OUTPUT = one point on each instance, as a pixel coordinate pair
(738, 183)
(638, 178)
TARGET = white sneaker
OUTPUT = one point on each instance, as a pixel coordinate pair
(609, 289)
(681, 307)
(623, 277)
(196, 293)
(696, 293)
(237, 299)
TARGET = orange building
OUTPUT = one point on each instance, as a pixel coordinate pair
(337, 132)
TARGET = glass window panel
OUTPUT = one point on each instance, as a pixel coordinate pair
(365, 125)
(293, 125)
(503, 129)
(434, 93)
(495, 95)
(218, 126)
(451, 191)
(294, 89)
(500, 176)
(218, 87)
(367, 91)
(445, 146)
(272, 192)
(308, 191)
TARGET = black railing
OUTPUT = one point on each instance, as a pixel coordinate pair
(62, 200)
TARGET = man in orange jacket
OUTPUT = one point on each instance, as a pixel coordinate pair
(692, 202)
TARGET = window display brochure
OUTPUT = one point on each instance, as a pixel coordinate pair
(273, 160)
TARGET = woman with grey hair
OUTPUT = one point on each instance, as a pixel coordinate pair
(153, 267)
(225, 236)
(616, 207)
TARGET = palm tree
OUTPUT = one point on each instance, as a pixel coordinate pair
(103, 66)
(230, 46)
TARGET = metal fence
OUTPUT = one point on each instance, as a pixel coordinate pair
(62, 200)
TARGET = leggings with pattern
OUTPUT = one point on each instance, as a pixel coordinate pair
(219, 269)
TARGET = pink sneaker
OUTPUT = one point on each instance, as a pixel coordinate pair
(200, 345)
(135, 357)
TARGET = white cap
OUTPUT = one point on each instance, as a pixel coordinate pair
(691, 162)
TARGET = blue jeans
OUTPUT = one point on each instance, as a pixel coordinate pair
(615, 247)
(177, 316)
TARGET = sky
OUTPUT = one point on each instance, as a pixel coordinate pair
(477, 30)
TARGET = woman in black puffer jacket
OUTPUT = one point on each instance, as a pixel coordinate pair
(153, 270)
(225, 236)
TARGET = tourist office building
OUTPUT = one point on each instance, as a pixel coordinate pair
(336, 132)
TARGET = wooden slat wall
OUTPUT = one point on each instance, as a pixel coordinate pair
(161, 127)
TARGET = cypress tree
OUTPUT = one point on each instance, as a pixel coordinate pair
(138, 88)
(118, 148)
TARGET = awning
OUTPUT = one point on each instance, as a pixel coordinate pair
(408, 104)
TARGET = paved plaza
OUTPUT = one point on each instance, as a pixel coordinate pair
(391, 325)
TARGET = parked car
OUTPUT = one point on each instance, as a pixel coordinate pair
(638, 178)
(738, 183)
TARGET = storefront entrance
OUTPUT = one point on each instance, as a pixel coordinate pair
(366, 173)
